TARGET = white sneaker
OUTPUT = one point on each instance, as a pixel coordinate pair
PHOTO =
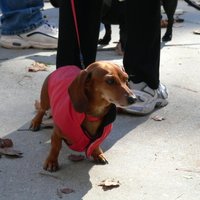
(148, 99)
(43, 37)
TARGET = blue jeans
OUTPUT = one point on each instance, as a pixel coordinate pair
(20, 16)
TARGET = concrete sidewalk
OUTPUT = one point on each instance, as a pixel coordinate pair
(153, 160)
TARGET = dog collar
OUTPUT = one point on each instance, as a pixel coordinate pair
(91, 118)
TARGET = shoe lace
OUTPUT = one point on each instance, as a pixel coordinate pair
(50, 26)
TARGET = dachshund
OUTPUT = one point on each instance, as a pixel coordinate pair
(83, 105)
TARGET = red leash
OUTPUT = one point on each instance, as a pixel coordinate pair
(77, 32)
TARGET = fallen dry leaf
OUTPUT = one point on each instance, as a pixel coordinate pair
(36, 66)
(76, 158)
(158, 118)
(109, 184)
(67, 190)
(10, 152)
(5, 143)
(62, 191)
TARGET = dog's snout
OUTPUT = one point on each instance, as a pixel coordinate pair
(132, 99)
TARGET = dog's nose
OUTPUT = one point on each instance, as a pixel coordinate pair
(132, 99)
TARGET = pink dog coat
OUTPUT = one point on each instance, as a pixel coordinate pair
(67, 119)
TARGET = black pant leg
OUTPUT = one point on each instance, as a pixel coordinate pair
(89, 29)
(67, 51)
(88, 19)
(142, 51)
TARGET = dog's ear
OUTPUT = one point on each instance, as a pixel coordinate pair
(77, 92)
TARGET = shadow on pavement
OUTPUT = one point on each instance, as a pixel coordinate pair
(35, 147)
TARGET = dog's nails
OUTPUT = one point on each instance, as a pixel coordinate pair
(104, 161)
(37, 128)
(51, 167)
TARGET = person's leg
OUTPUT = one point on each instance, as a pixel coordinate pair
(142, 55)
(120, 12)
(55, 3)
(88, 18)
(20, 16)
(142, 51)
(122, 24)
(23, 25)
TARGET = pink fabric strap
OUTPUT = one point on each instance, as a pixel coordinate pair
(75, 22)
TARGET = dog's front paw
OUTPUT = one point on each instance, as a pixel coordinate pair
(51, 165)
(35, 125)
(100, 159)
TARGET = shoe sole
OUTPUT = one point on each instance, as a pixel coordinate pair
(25, 45)
(142, 111)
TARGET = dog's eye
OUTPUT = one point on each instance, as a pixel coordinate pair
(110, 81)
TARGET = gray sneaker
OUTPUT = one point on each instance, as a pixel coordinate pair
(43, 37)
(148, 99)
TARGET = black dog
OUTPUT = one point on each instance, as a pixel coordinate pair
(113, 12)
(169, 7)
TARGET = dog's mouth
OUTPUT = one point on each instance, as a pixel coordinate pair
(125, 103)
(115, 102)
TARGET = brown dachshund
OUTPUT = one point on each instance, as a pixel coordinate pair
(83, 105)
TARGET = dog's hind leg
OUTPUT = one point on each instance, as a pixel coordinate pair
(44, 106)
(170, 8)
